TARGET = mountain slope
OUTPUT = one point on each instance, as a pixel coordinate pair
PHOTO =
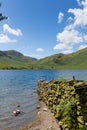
(77, 60)
(14, 60)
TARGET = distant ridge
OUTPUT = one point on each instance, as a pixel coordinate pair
(15, 60)
(13, 53)
(12, 59)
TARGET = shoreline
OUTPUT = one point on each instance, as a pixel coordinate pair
(45, 121)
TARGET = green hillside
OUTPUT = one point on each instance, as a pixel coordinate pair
(14, 60)
(77, 60)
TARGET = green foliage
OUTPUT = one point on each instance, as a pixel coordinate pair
(65, 113)
(1, 16)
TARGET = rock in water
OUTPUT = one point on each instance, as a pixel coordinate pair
(38, 107)
(16, 113)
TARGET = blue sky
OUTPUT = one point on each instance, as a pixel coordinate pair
(39, 28)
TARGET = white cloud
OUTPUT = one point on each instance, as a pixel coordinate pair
(82, 46)
(8, 29)
(69, 37)
(69, 27)
(5, 39)
(85, 38)
(80, 15)
(68, 51)
(84, 3)
(79, 2)
(73, 34)
(40, 49)
(62, 47)
(70, 19)
(60, 17)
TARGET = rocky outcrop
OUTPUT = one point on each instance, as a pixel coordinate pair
(68, 101)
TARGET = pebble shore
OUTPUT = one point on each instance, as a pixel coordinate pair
(46, 120)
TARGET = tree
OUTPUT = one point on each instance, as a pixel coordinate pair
(1, 16)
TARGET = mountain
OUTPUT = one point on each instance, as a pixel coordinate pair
(14, 60)
(76, 60)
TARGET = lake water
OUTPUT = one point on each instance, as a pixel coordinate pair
(19, 87)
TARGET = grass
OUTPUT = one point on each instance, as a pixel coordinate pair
(16, 60)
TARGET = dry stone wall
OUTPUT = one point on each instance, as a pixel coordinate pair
(67, 99)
